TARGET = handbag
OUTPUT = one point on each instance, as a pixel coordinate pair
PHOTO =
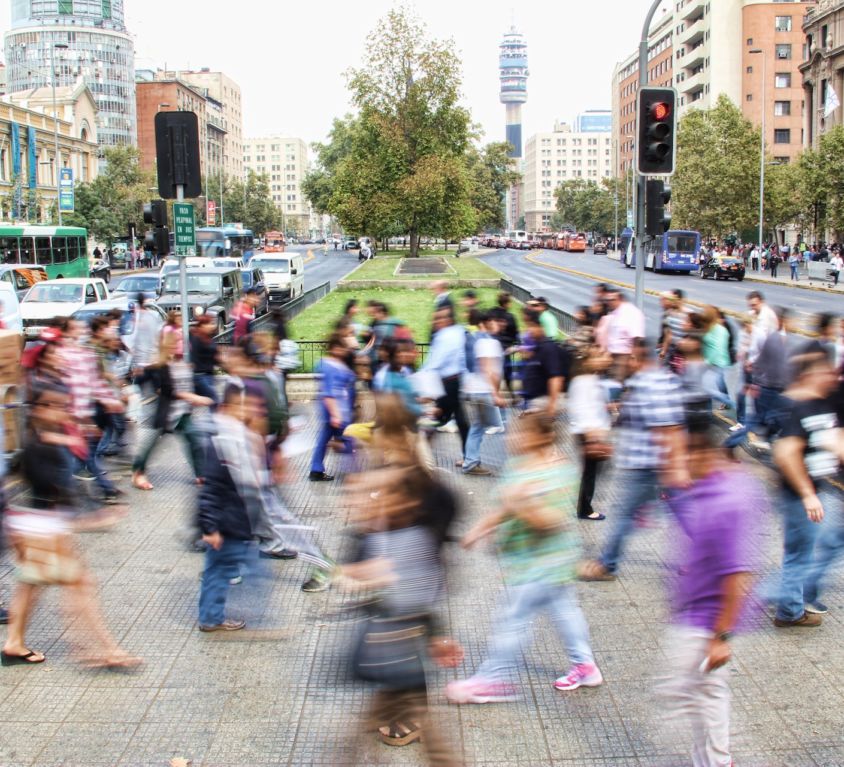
(46, 554)
(391, 651)
(596, 447)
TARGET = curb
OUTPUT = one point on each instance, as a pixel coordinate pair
(650, 292)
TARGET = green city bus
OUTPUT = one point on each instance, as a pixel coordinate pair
(61, 250)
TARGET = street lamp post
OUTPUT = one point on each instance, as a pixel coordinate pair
(53, 47)
(762, 153)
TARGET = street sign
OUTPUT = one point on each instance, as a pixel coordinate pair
(211, 215)
(630, 219)
(184, 228)
(67, 196)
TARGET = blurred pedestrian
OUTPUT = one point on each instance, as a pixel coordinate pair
(589, 421)
(625, 324)
(808, 454)
(403, 517)
(539, 549)
(716, 541)
(542, 368)
(45, 548)
(508, 335)
(244, 313)
(203, 356)
(336, 405)
(649, 451)
(172, 380)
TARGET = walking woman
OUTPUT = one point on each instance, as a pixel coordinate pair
(172, 379)
(203, 355)
(588, 409)
(45, 548)
(715, 347)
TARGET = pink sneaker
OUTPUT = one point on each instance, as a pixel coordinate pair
(479, 690)
(581, 675)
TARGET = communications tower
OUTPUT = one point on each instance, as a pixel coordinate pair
(513, 75)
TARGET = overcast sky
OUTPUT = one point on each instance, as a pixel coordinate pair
(289, 58)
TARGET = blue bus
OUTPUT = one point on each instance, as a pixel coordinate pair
(225, 242)
(678, 250)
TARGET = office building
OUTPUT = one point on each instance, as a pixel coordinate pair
(228, 108)
(822, 70)
(562, 155)
(86, 39)
(284, 161)
(708, 48)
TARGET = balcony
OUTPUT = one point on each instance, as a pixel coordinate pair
(692, 83)
(692, 34)
(691, 9)
(694, 56)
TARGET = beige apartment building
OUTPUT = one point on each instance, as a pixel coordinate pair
(562, 155)
(226, 111)
(284, 161)
(706, 48)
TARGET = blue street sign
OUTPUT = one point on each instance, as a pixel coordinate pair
(67, 195)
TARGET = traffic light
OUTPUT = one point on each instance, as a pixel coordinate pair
(158, 238)
(657, 220)
(657, 128)
(155, 213)
(177, 154)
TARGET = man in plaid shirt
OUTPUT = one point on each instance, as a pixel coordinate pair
(649, 452)
(87, 386)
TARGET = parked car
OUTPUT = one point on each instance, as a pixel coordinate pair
(100, 270)
(723, 268)
(148, 284)
(350, 244)
(58, 298)
(211, 290)
(253, 277)
(21, 277)
(600, 247)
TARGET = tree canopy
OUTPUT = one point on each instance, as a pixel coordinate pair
(585, 205)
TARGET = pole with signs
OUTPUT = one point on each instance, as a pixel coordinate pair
(67, 195)
(184, 228)
(211, 214)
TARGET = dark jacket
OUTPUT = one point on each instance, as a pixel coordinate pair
(221, 507)
(509, 335)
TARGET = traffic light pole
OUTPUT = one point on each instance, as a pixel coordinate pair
(641, 188)
(183, 287)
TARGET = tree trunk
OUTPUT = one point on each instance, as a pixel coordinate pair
(414, 244)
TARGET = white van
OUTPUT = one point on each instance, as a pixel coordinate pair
(10, 308)
(284, 274)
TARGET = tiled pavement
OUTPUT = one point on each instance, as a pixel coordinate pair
(292, 702)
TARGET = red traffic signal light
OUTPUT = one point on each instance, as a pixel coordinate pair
(657, 128)
(660, 110)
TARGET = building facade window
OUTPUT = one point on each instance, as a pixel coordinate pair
(66, 7)
(782, 136)
(782, 80)
(106, 9)
(783, 24)
(783, 51)
(782, 108)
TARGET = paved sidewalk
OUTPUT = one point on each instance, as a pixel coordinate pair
(245, 703)
(784, 278)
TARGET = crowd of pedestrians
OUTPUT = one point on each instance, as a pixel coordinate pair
(770, 256)
(568, 406)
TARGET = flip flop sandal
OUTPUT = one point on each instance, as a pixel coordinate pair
(29, 659)
(400, 734)
(145, 485)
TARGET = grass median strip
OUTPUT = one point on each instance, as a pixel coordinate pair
(384, 266)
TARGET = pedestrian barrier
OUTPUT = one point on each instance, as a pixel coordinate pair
(820, 270)
(566, 321)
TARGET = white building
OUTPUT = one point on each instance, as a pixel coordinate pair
(284, 161)
(562, 155)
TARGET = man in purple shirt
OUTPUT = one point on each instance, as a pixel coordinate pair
(717, 547)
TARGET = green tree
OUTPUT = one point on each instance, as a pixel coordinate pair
(585, 205)
(492, 175)
(716, 184)
(785, 200)
(106, 205)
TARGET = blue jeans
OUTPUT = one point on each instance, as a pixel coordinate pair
(793, 271)
(637, 487)
(327, 432)
(800, 536)
(715, 385)
(828, 546)
(769, 409)
(92, 464)
(220, 567)
(482, 415)
(203, 385)
(515, 619)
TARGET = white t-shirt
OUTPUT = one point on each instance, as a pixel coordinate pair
(484, 348)
(587, 405)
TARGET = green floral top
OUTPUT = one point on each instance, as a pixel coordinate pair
(529, 555)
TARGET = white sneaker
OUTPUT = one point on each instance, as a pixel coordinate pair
(737, 427)
(495, 430)
(448, 428)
